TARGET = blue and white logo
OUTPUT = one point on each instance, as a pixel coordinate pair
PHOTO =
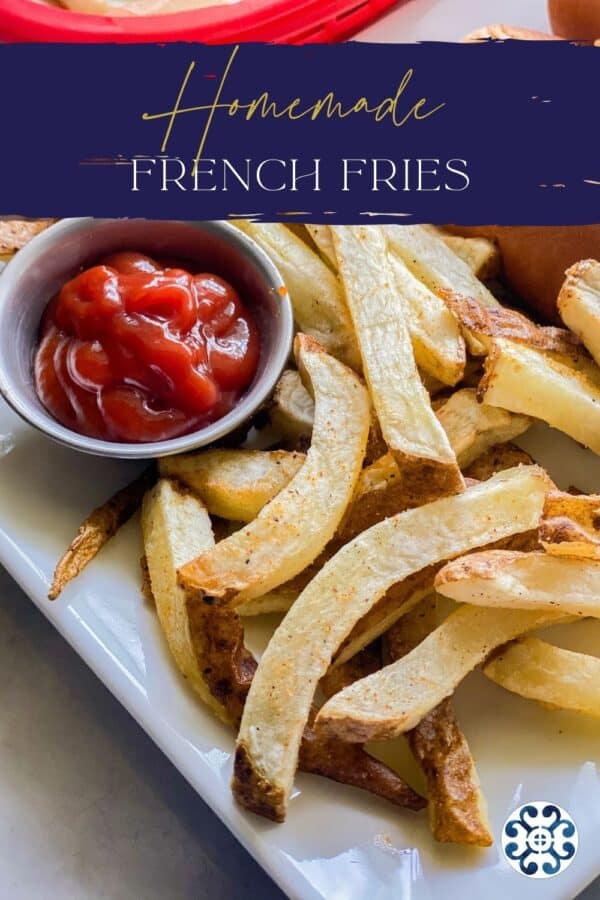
(539, 839)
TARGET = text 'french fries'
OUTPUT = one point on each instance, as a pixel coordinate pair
(515, 580)
(562, 392)
(345, 589)
(291, 530)
(540, 671)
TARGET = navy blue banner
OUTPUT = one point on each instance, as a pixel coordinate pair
(502, 132)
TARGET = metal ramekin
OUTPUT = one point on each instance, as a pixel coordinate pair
(38, 271)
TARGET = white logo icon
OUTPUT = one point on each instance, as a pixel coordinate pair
(539, 839)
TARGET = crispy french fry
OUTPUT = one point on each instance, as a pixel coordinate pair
(540, 671)
(489, 323)
(15, 233)
(515, 580)
(315, 292)
(480, 254)
(291, 530)
(97, 529)
(292, 409)
(321, 235)
(434, 263)
(474, 427)
(384, 488)
(396, 698)
(408, 424)
(234, 484)
(579, 303)
(457, 807)
(563, 392)
(435, 336)
(360, 573)
(276, 601)
(176, 527)
(497, 458)
(207, 643)
(571, 525)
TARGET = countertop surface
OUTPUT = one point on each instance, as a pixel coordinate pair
(90, 809)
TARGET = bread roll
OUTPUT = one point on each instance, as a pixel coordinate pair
(575, 19)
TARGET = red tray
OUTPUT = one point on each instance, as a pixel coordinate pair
(280, 21)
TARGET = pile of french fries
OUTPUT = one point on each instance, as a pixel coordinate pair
(391, 479)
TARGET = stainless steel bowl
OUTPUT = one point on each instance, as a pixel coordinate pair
(40, 269)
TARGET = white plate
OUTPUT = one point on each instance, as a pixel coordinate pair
(337, 842)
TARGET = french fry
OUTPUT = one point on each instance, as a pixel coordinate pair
(396, 699)
(408, 424)
(516, 580)
(176, 527)
(474, 427)
(384, 488)
(489, 323)
(427, 255)
(563, 392)
(497, 458)
(207, 643)
(579, 303)
(480, 254)
(457, 807)
(315, 292)
(436, 340)
(540, 671)
(321, 235)
(424, 252)
(291, 530)
(571, 525)
(102, 524)
(292, 409)
(234, 484)
(15, 233)
(301, 649)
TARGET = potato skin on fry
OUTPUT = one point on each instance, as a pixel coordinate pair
(301, 649)
(457, 808)
(102, 524)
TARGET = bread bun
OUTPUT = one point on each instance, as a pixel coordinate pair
(507, 32)
(534, 258)
(575, 19)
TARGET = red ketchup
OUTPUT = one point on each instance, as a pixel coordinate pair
(131, 350)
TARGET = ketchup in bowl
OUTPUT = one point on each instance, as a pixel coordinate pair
(134, 351)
